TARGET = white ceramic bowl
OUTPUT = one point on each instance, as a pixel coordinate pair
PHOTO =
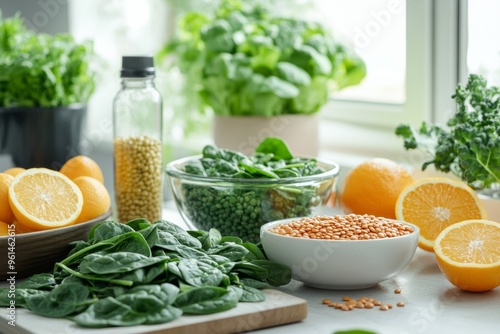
(340, 264)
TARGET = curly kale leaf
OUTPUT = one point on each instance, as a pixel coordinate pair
(470, 146)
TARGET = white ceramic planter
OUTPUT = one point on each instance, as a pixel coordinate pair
(244, 133)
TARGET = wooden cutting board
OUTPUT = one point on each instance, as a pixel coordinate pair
(279, 308)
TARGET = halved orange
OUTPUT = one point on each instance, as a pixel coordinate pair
(435, 203)
(4, 228)
(44, 199)
(468, 254)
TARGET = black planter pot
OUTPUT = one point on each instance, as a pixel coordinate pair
(41, 137)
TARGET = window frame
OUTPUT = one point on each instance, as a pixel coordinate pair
(435, 64)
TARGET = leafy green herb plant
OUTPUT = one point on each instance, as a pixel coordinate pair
(237, 194)
(245, 61)
(470, 146)
(42, 70)
(110, 280)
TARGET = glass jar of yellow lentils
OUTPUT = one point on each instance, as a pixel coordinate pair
(137, 130)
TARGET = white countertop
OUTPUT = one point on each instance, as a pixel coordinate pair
(432, 304)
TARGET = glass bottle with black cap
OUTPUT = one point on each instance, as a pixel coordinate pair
(137, 145)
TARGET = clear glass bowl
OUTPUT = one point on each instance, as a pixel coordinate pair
(239, 207)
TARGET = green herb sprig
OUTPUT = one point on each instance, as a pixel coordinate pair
(470, 146)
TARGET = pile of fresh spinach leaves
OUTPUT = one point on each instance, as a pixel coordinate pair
(240, 208)
(143, 273)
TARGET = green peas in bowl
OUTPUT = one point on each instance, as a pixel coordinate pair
(237, 194)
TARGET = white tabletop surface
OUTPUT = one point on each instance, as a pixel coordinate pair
(432, 304)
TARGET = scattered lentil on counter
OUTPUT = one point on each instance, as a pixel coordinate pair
(350, 304)
(343, 227)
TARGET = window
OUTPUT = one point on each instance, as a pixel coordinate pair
(483, 55)
(116, 27)
(396, 40)
(416, 53)
(376, 31)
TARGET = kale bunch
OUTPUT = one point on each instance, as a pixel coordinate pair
(240, 208)
(470, 146)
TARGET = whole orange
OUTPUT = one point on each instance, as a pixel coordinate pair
(373, 188)
(96, 199)
(82, 166)
(6, 214)
(14, 171)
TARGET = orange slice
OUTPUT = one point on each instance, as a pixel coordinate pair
(468, 254)
(44, 199)
(435, 203)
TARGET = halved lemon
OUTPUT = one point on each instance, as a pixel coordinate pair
(435, 203)
(468, 254)
(44, 199)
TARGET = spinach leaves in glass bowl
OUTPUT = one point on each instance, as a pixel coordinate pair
(237, 194)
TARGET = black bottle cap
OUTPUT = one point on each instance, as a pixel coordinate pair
(137, 67)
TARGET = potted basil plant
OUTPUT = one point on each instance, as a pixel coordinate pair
(261, 75)
(45, 83)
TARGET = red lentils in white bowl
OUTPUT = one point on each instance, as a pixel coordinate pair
(341, 252)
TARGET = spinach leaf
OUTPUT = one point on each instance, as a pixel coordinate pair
(138, 224)
(254, 252)
(20, 296)
(118, 262)
(197, 273)
(108, 230)
(211, 239)
(127, 242)
(257, 284)
(109, 312)
(251, 270)
(63, 300)
(277, 274)
(231, 251)
(37, 281)
(251, 294)
(104, 278)
(166, 292)
(155, 272)
(190, 253)
(150, 233)
(276, 147)
(206, 300)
